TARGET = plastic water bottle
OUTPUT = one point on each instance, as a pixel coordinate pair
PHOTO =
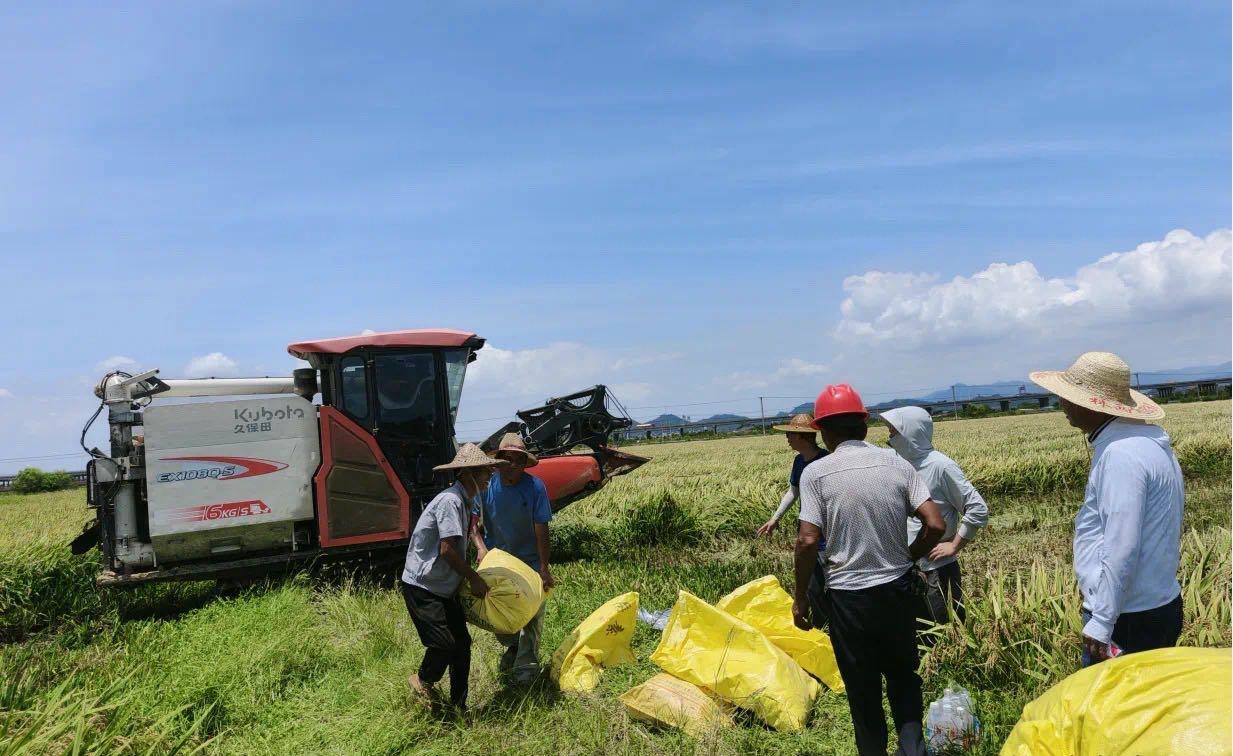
(935, 739)
(951, 722)
(962, 697)
(963, 727)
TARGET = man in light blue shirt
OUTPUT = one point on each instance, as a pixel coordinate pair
(1128, 530)
(513, 516)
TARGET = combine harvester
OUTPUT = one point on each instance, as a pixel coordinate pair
(252, 484)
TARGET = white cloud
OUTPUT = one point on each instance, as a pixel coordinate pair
(212, 365)
(558, 368)
(643, 358)
(367, 332)
(1180, 274)
(634, 391)
(798, 367)
(789, 369)
(5, 394)
(115, 362)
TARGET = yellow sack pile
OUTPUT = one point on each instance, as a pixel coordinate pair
(600, 640)
(714, 650)
(668, 701)
(515, 594)
(1168, 701)
(764, 604)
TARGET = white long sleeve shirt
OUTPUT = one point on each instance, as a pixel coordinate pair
(1128, 531)
(961, 505)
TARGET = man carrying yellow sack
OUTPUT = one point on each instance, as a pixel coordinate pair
(513, 516)
(436, 566)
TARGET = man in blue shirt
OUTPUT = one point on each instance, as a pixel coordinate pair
(513, 516)
(802, 439)
(1129, 528)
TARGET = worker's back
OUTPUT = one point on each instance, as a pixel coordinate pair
(861, 494)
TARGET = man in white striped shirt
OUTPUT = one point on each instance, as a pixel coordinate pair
(857, 498)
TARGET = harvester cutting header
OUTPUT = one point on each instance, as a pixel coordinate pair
(237, 487)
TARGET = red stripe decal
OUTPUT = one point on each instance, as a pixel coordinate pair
(251, 465)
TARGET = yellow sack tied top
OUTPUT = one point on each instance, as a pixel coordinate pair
(1168, 701)
(600, 640)
(515, 594)
(714, 650)
(667, 701)
(764, 604)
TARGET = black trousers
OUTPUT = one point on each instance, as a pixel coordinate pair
(942, 586)
(1151, 628)
(819, 611)
(873, 631)
(1145, 630)
(447, 644)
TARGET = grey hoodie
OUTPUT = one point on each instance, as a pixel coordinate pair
(963, 508)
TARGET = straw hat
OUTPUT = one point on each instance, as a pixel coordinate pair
(1099, 381)
(469, 456)
(802, 423)
(512, 442)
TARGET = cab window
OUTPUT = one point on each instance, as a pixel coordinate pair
(455, 372)
(407, 395)
(354, 386)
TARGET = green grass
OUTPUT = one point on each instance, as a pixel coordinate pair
(310, 665)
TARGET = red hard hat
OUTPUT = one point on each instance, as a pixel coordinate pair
(838, 399)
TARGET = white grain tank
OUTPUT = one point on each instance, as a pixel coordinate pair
(229, 477)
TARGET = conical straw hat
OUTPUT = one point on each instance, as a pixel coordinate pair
(512, 442)
(470, 455)
(802, 423)
(1099, 381)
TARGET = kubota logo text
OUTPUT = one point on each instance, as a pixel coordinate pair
(217, 468)
(259, 414)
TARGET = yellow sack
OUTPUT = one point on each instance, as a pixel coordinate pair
(668, 701)
(764, 604)
(1167, 701)
(600, 640)
(714, 650)
(515, 594)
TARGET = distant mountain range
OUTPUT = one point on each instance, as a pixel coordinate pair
(965, 391)
(664, 420)
(670, 419)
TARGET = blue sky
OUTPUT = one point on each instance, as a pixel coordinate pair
(667, 198)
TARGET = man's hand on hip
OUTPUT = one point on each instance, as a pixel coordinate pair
(943, 550)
